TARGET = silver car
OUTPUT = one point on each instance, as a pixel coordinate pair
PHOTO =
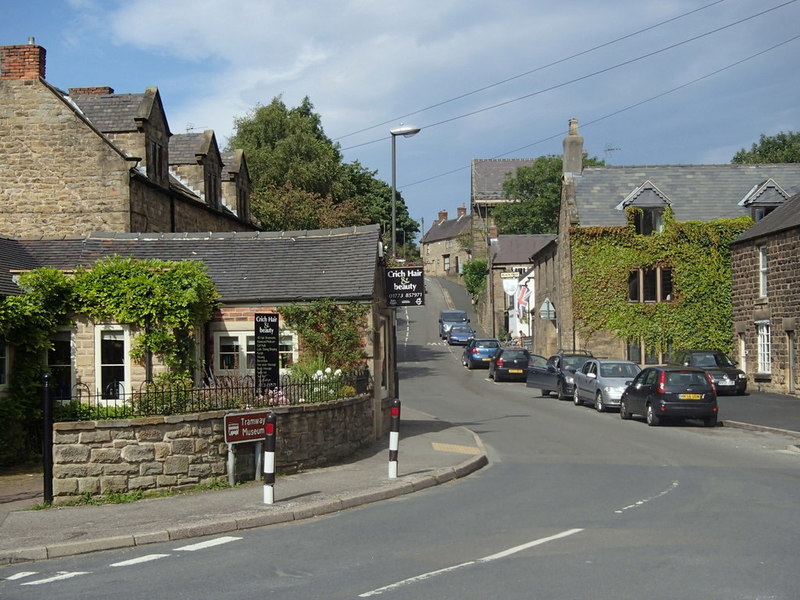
(601, 381)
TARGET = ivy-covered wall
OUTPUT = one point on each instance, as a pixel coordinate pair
(699, 256)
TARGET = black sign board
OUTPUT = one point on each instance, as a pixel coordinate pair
(405, 286)
(267, 357)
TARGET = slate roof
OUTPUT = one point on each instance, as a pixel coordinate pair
(446, 230)
(488, 176)
(695, 192)
(786, 216)
(518, 249)
(13, 257)
(251, 267)
(110, 113)
(184, 148)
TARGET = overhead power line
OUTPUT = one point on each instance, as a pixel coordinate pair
(589, 75)
(536, 70)
(591, 122)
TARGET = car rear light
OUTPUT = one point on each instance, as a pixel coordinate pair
(662, 377)
(499, 362)
(711, 381)
(474, 351)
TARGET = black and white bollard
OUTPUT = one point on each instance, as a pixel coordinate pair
(269, 459)
(394, 439)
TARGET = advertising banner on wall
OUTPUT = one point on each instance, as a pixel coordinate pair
(405, 286)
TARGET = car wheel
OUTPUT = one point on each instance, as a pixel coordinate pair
(562, 392)
(599, 405)
(545, 393)
(623, 411)
(469, 365)
(652, 417)
(576, 398)
(710, 421)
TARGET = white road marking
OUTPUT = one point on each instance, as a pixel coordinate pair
(141, 559)
(489, 558)
(20, 575)
(208, 544)
(60, 577)
(671, 488)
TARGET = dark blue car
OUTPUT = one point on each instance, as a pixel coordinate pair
(479, 352)
(460, 335)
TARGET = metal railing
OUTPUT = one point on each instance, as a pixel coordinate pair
(220, 393)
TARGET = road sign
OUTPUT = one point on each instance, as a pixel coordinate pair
(245, 427)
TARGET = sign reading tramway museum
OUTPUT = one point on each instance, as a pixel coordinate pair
(405, 286)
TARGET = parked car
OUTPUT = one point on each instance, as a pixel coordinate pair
(727, 377)
(478, 352)
(448, 318)
(509, 364)
(557, 375)
(601, 381)
(662, 392)
(460, 335)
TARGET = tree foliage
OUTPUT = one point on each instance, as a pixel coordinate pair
(475, 272)
(300, 180)
(535, 194)
(781, 148)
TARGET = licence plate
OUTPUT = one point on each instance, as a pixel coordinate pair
(690, 396)
(515, 370)
(486, 359)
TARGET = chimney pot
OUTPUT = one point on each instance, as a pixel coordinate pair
(462, 211)
(442, 215)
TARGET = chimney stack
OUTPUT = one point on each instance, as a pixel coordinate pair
(442, 216)
(97, 90)
(462, 211)
(573, 150)
(22, 61)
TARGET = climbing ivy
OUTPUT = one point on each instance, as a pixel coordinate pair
(164, 300)
(698, 253)
(331, 334)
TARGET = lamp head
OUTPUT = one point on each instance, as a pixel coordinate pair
(405, 130)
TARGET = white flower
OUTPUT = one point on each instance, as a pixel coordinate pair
(328, 371)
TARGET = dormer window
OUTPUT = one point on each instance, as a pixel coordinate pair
(763, 198)
(649, 220)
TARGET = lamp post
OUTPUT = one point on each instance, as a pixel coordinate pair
(405, 131)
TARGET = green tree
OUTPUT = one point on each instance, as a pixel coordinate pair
(299, 178)
(475, 272)
(781, 148)
(535, 194)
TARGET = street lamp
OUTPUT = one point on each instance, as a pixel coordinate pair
(405, 131)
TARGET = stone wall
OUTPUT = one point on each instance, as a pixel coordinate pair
(179, 452)
(781, 307)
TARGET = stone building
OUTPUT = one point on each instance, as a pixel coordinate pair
(445, 247)
(599, 197)
(766, 305)
(93, 160)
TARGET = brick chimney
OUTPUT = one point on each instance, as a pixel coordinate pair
(462, 211)
(573, 149)
(442, 216)
(97, 90)
(22, 62)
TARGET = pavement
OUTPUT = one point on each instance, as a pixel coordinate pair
(431, 452)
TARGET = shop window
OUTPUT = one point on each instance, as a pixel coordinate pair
(235, 352)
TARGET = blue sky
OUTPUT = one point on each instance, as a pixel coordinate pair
(484, 78)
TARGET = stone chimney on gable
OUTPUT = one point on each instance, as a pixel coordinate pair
(442, 216)
(462, 211)
(573, 150)
(22, 61)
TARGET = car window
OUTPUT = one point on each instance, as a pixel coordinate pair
(686, 379)
(724, 361)
(703, 359)
(573, 362)
(512, 354)
(619, 369)
(538, 361)
(650, 377)
(586, 368)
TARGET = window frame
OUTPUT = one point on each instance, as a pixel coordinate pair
(763, 269)
(99, 332)
(246, 351)
(660, 286)
(649, 220)
(70, 365)
(764, 347)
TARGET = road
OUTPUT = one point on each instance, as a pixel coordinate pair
(575, 504)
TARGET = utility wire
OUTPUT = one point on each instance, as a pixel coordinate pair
(589, 75)
(537, 69)
(616, 112)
